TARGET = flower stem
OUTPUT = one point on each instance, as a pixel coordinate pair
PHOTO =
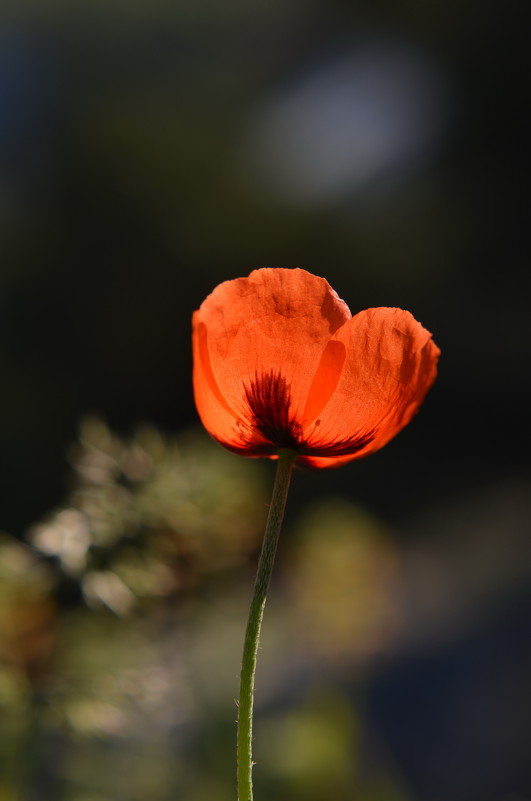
(252, 634)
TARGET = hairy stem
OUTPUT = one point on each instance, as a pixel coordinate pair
(252, 634)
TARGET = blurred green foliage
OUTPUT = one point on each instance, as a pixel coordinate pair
(121, 627)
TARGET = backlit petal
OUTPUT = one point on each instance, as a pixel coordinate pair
(217, 416)
(275, 323)
(390, 365)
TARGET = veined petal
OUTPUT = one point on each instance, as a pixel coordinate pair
(390, 365)
(217, 416)
(276, 322)
(325, 380)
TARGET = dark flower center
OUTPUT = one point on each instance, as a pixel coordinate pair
(269, 400)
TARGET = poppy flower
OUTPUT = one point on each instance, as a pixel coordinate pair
(280, 363)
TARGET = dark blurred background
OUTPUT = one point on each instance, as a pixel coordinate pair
(150, 150)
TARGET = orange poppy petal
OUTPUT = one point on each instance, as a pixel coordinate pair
(264, 334)
(324, 461)
(217, 416)
(391, 363)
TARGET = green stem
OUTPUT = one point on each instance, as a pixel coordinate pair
(252, 634)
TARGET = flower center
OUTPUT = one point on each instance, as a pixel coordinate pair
(269, 400)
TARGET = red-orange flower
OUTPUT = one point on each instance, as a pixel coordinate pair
(280, 363)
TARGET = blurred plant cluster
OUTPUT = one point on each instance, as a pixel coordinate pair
(122, 617)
